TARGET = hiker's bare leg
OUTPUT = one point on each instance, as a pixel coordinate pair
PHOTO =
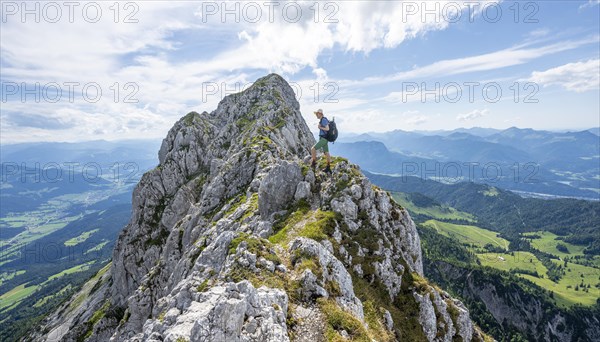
(328, 158)
(313, 153)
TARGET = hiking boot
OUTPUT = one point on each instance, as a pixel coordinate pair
(327, 169)
(313, 164)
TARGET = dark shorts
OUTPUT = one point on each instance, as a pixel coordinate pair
(322, 144)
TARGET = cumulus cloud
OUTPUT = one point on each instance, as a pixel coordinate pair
(472, 115)
(276, 44)
(150, 53)
(171, 53)
(578, 77)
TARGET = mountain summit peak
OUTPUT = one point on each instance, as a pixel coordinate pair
(266, 113)
(234, 238)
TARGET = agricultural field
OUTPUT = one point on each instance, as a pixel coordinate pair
(11, 298)
(35, 225)
(524, 261)
(472, 236)
(579, 285)
(19, 229)
(75, 269)
(98, 247)
(548, 243)
(81, 238)
(17, 294)
(435, 211)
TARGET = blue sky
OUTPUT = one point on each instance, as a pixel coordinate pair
(369, 64)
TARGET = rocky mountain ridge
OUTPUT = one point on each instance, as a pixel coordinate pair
(233, 238)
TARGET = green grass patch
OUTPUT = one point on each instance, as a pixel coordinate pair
(404, 309)
(203, 287)
(284, 225)
(435, 211)
(260, 141)
(87, 288)
(579, 285)
(321, 228)
(96, 317)
(338, 320)
(75, 269)
(573, 287)
(302, 261)
(262, 278)
(189, 119)
(518, 262)
(15, 295)
(466, 234)
(252, 208)
(98, 247)
(260, 247)
(235, 205)
(6, 276)
(547, 243)
(81, 238)
(374, 319)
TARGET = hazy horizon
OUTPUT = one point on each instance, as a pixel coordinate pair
(565, 130)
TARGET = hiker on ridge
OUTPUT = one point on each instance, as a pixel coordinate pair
(322, 143)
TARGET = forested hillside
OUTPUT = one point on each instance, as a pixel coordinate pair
(575, 221)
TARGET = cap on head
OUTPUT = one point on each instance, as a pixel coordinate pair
(319, 111)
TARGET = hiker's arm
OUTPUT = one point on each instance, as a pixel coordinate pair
(325, 128)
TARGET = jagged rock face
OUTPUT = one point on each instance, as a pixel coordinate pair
(204, 160)
(234, 238)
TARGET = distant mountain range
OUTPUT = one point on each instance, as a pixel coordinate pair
(505, 211)
(525, 160)
(477, 131)
(97, 151)
(34, 173)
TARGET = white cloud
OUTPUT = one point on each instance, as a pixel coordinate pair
(417, 120)
(472, 115)
(590, 3)
(355, 26)
(102, 52)
(321, 74)
(578, 77)
(147, 53)
(538, 33)
(150, 54)
(494, 60)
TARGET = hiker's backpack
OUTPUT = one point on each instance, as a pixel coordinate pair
(332, 134)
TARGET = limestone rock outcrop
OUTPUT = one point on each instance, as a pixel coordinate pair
(234, 238)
